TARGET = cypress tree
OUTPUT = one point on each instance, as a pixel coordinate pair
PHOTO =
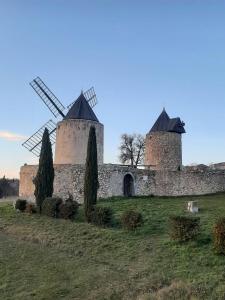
(91, 175)
(45, 175)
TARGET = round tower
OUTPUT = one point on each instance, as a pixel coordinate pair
(163, 146)
(73, 131)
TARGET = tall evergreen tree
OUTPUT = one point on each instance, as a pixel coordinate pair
(91, 175)
(45, 175)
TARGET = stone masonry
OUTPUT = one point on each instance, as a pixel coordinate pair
(70, 178)
(72, 138)
(163, 150)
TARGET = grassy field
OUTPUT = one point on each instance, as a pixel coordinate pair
(43, 258)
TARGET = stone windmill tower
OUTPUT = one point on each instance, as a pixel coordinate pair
(163, 146)
(71, 133)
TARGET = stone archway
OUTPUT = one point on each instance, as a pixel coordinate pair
(128, 185)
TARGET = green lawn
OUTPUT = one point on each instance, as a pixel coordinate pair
(43, 258)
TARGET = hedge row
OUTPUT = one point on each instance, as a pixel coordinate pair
(52, 207)
(101, 216)
(181, 228)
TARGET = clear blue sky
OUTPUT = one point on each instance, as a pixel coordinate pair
(139, 55)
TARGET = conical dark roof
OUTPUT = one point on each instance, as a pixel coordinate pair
(164, 123)
(81, 110)
(161, 123)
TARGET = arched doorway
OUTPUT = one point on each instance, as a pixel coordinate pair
(128, 185)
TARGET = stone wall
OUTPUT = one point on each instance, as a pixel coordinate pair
(27, 174)
(63, 183)
(218, 166)
(189, 182)
(163, 150)
(70, 178)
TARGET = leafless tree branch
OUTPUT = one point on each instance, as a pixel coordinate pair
(132, 149)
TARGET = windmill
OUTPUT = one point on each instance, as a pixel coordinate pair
(33, 144)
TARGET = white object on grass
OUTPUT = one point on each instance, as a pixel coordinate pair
(192, 206)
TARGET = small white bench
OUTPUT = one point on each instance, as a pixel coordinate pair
(192, 206)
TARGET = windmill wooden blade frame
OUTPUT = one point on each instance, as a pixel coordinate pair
(90, 96)
(34, 143)
(49, 99)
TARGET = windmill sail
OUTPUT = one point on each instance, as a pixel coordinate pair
(33, 144)
(90, 96)
(50, 100)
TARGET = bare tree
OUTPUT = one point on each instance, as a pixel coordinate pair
(132, 149)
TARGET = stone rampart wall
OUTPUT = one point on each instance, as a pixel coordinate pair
(70, 179)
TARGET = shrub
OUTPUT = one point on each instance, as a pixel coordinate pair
(102, 216)
(31, 208)
(131, 219)
(68, 209)
(50, 207)
(21, 204)
(184, 228)
(219, 236)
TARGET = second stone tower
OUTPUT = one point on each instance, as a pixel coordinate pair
(163, 146)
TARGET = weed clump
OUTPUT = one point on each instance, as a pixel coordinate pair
(68, 209)
(176, 290)
(102, 216)
(21, 204)
(131, 220)
(184, 228)
(50, 206)
(31, 208)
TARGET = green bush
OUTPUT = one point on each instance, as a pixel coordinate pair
(50, 207)
(68, 209)
(31, 208)
(131, 219)
(102, 216)
(184, 228)
(219, 236)
(21, 204)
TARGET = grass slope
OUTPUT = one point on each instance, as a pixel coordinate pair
(43, 258)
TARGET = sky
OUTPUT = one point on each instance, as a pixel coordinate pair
(139, 55)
